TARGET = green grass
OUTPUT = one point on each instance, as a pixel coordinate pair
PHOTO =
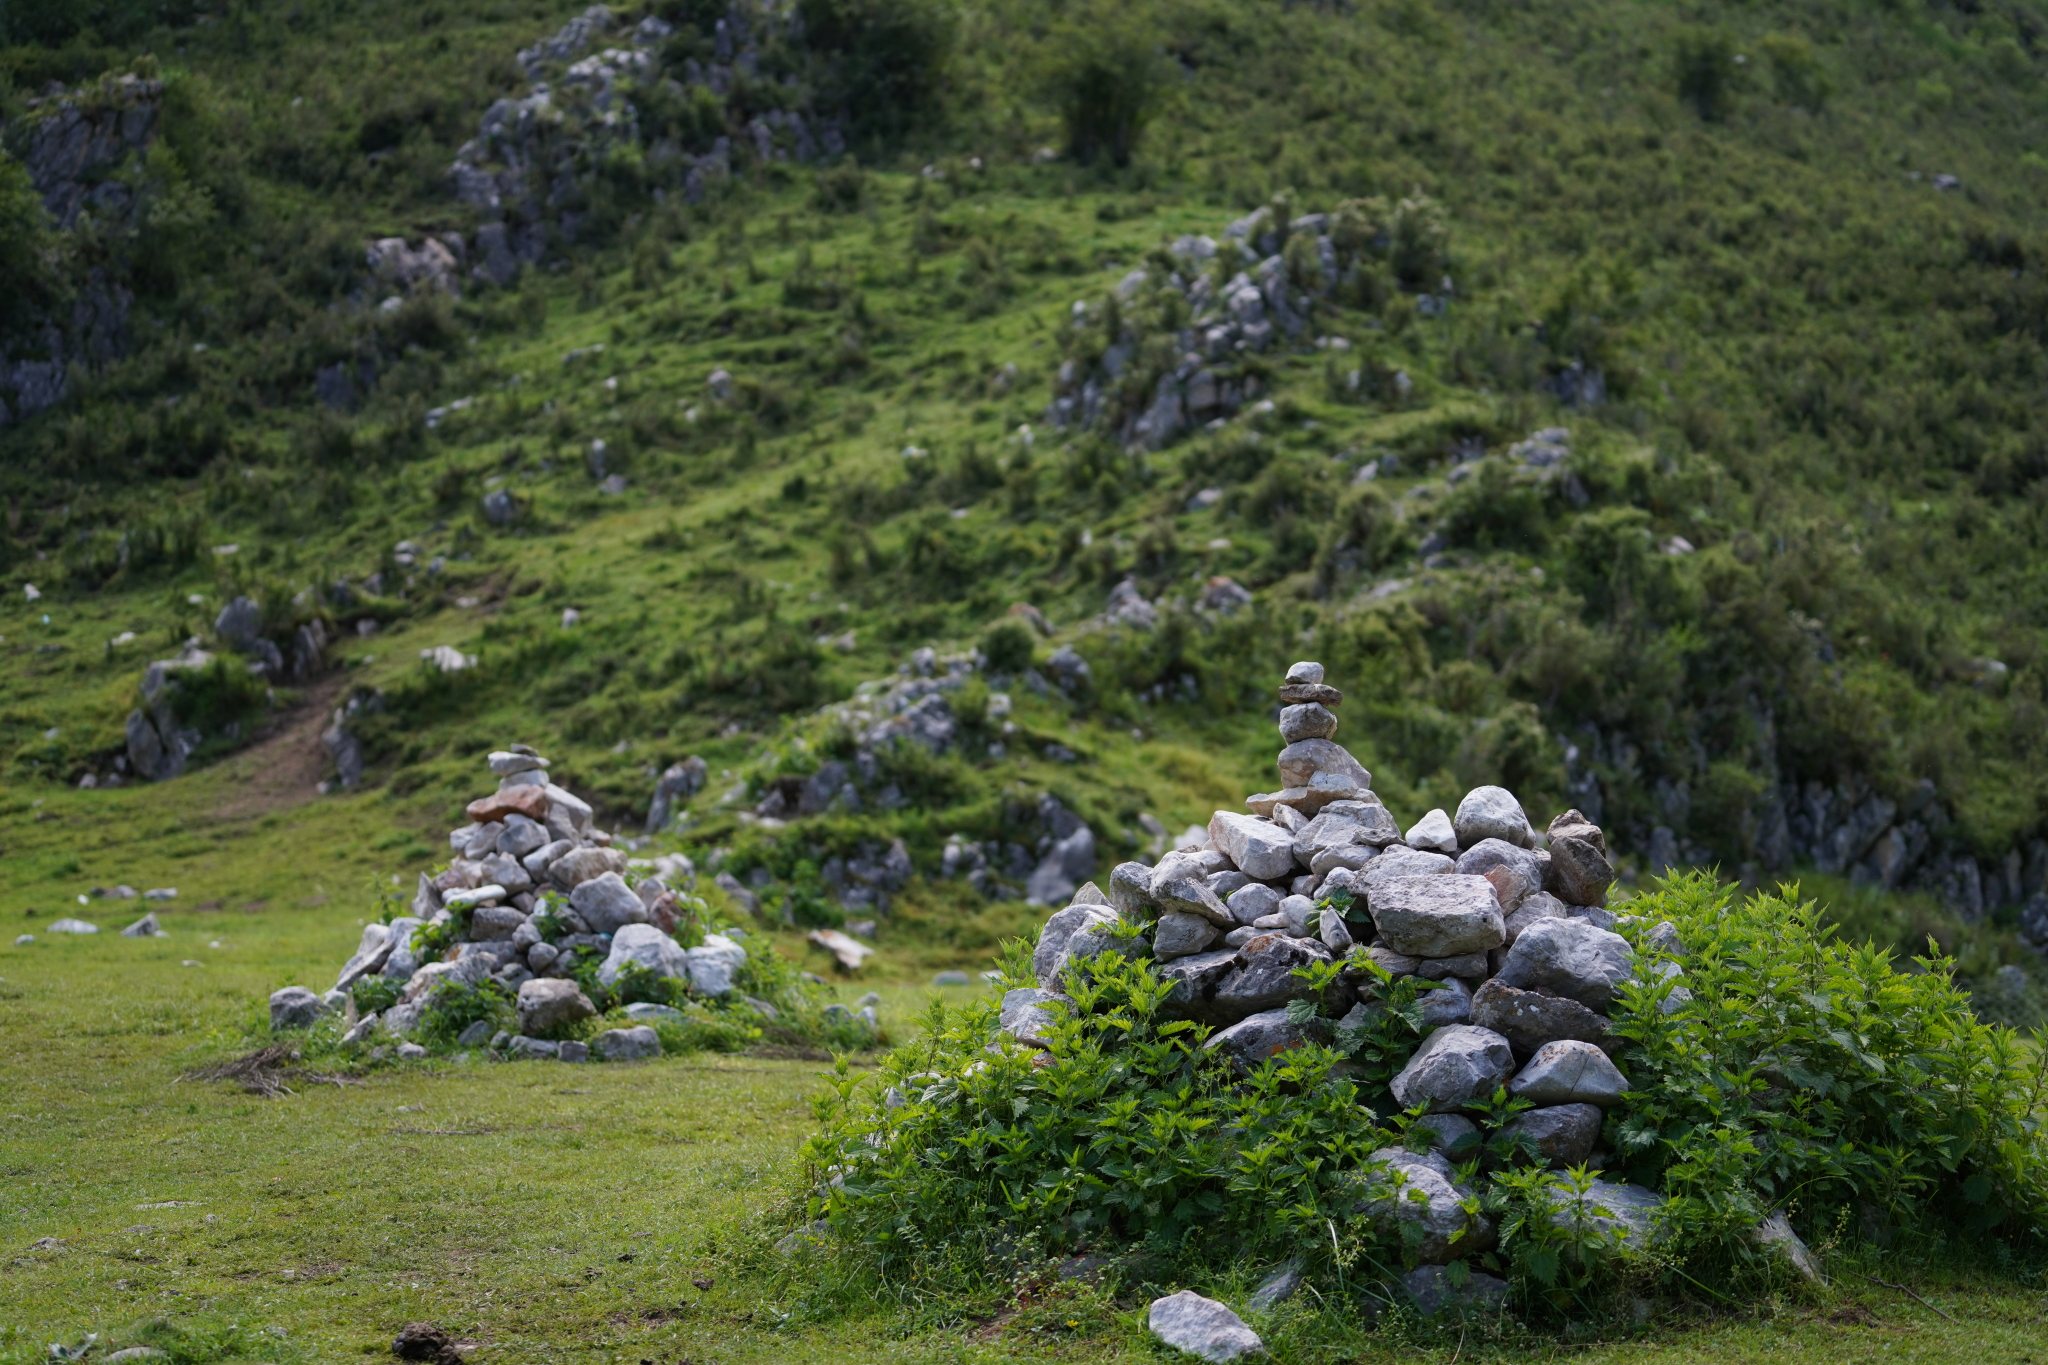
(498, 1199)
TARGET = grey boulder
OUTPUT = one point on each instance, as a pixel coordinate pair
(1194, 979)
(1562, 1135)
(1263, 977)
(146, 927)
(1529, 1019)
(1455, 1065)
(549, 1002)
(1435, 916)
(1492, 813)
(714, 964)
(1569, 957)
(628, 1044)
(1253, 902)
(1436, 1291)
(1536, 905)
(648, 946)
(1445, 1232)
(1629, 1212)
(1261, 849)
(1251, 1041)
(1449, 1004)
(294, 1007)
(371, 951)
(1050, 956)
(1775, 1235)
(580, 865)
(1130, 888)
(495, 923)
(1433, 832)
(1450, 1134)
(1398, 861)
(1027, 1014)
(1307, 720)
(1202, 1327)
(1182, 935)
(1569, 1072)
(606, 903)
(1302, 761)
(1578, 871)
(1181, 882)
(402, 961)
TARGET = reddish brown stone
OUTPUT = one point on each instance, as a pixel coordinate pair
(529, 801)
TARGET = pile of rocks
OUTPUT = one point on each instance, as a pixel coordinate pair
(535, 886)
(1510, 924)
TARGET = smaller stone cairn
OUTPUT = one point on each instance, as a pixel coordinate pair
(1512, 924)
(525, 839)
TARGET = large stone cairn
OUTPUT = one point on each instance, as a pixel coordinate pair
(525, 839)
(1512, 923)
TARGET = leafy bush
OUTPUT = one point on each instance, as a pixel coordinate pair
(1704, 61)
(1802, 1075)
(1106, 75)
(885, 60)
(1008, 648)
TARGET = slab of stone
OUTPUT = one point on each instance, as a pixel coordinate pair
(1574, 824)
(403, 959)
(1445, 915)
(1492, 813)
(547, 1002)
(529, 801)
(1253, 902)
(580, 865)
(1259, 1038)
(1569, 957)
(1300, 763)
(606, 903)
(1449, 1004)
(1202, 1327)
(295, 1007)
(1437, 1291)
(1307, 720)
(506, 762)
(1180, 883)
(1455, 1065)
(1399, 860)
(650, 948)
(1283, 1284)
(1775, 1235)
(1130, 889)
(1528, 1019)
(1569, 1072)
(1182, 935)
(1263, 976)
(1578, 872)
(628, 1044)
(1260, 849)
(714, 964)
(1536, 905)
(146, 927)
(1630, 1211)
(1563, 1134)
(1332, 931)
(1296, 694)
(1448, 1232)
(1195, 979)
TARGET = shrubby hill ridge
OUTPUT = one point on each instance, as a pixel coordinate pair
(1631, 402)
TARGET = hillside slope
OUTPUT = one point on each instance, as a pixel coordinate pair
(1645, 423)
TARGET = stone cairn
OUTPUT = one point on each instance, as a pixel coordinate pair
(1512, 924)
(528, 838)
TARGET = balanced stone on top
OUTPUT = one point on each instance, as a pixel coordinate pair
(505, 763)
(1305, 672)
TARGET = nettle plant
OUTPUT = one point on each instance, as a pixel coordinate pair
(1803, 1076)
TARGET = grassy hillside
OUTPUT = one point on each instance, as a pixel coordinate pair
(1815, 367)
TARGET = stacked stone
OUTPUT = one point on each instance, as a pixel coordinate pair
(528, 837)
(1512, 925)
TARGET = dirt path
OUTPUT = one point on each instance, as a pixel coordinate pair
(285, 767)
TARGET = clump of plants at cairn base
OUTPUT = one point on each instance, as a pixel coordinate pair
(1323, 1098)
(532, 942)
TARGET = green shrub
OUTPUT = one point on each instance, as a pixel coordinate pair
(885, 61)
(1703, 60)
(1106, 76)
(1802, 1075)
(1008, 648)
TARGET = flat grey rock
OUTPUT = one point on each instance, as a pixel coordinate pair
(1627, 1210)
(402, 961)
(1529, 1019)
(1562, 1134)
(1202, 1327)
(1258, 848)
(648, 946)
(548, 1002)
(1448, 1232)
(519, 1045)
(628, 1044)
(505, 763)
(1060, 927)
(714, 964)
(1437, 1291)
(295, 1007)
(1492, 813)
(146, 927)
(1300, 762)
(1182, 935)
(579, 865)
(1130, 889)
(1569, 1072)
(1307, 720)
(1257, 1039)
(1569, 957)
(1278, 1287)
(1536, 905)
(1455, 1065)
(1449, 1004)
(1775, 1235)
(1435, 916)
(1263, 977)
(1195, 979)
(1399, 860)
(647, 1012)
(1253, 902)
(1027, 1014)
(607, 904)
